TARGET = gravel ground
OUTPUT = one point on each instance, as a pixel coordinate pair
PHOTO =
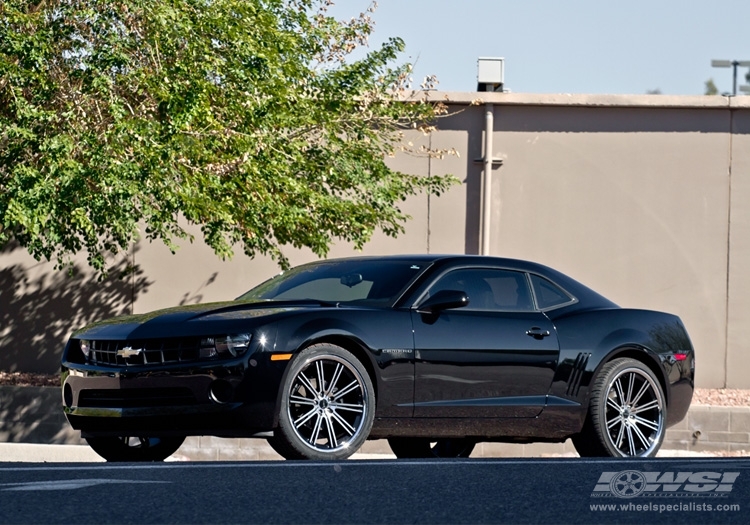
(702, 396)
(724, 397)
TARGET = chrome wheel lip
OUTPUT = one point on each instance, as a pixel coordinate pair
(624, 419)
(325, 405)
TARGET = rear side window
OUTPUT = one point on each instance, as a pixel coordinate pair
(548, 294)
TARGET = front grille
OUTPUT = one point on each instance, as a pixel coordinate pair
(134, 398)
(144, 352)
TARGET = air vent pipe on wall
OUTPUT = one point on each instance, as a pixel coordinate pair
(490, 77)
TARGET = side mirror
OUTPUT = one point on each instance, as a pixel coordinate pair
(443, 300)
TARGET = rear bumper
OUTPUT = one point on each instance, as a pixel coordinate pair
(681, 396)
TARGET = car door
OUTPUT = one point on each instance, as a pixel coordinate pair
(494, 357)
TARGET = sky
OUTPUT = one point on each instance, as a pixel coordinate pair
(568, 46)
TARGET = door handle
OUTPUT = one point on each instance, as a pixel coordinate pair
(537, 333)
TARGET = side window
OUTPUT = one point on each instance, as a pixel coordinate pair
(548, 294)
(488, 289)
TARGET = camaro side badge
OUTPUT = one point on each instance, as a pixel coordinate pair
(129, 352)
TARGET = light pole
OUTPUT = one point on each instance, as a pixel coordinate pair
(733, 64)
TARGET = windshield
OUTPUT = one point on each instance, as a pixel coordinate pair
(344, 281)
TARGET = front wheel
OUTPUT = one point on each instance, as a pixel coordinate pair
(327, 405)
(424, 448)
(135, 448)
(627, 412)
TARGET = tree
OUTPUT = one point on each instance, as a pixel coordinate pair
(711, 88)
(246, 117)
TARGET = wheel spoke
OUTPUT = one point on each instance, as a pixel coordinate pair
(332, 441)
(620, 436)
(646, 423)
(618, 386)
(612, 422)
(631, 445)
(641, 437)
(316, 431)
(304, 418)
(321, 377)
(639, 395)
(631, 384)
(349, 388)
(335, 379)
(611, 402)
(302, 400)
(349, 429)
(648, 406)
(350, 407)
(306, 383)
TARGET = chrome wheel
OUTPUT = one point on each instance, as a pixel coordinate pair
(634, 413)
(328, 408)
(627, 412)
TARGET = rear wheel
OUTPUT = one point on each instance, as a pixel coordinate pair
(327, 405)
(424, 448)
(627, 412)
(135, 448)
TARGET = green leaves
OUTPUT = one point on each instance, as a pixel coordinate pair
(246, 117)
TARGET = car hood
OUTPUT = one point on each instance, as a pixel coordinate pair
(191, 320)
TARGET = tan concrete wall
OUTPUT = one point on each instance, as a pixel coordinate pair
(644, 198)
(639, 213)
(738, 320)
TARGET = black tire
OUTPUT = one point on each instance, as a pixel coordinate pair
(627, 412)
(135, 448)
(327, 405)
(282, 448)
(424, 448)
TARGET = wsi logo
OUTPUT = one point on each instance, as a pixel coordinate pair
(632, 483)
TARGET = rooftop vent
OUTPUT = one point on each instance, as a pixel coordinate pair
(490, 74)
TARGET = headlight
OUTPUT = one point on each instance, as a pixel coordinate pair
(225, 345)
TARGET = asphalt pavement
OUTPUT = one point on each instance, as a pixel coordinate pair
(477, 490)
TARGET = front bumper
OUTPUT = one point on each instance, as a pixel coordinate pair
(229, 399)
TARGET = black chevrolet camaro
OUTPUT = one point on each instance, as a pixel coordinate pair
(434, 353)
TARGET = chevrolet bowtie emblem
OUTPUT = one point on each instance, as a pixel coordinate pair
(129, 352)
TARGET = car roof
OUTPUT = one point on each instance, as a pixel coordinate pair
(520, 264)
(586, 296)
